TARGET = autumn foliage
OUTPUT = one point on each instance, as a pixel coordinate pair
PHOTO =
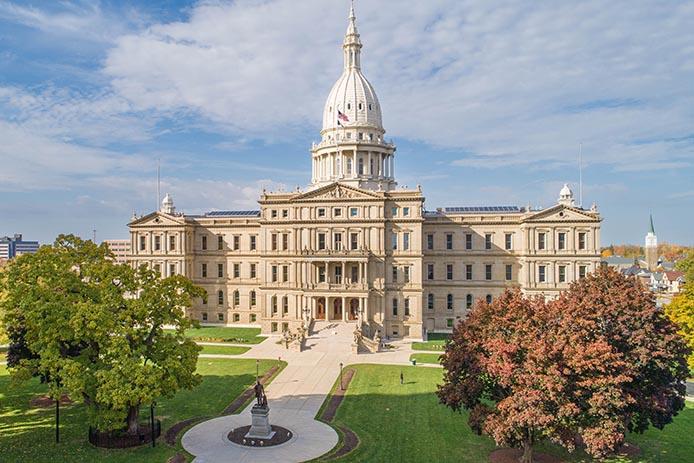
(583, 370)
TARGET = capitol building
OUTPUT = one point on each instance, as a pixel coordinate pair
(353, 247)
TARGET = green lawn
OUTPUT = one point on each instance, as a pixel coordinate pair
(397, 422)
(226, 334)
(429, 345)
(226, 350)
(422, 357)
(27, 435)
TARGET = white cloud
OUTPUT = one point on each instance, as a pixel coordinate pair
(509, 82)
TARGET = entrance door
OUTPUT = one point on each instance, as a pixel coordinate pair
(353, 309)
(337, 309)
(320, 309)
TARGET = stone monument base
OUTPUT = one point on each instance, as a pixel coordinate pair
(260, 423)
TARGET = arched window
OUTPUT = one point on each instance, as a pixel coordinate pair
(220, 297)
(430, 301)
(349, 166)
(489, 298)
(361, 166)
(468, 301)
(449, 302)
(252, 298)
(237, 298)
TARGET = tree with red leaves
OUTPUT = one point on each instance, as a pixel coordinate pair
(600, 361)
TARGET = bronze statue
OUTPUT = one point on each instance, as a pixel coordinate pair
(261, 398)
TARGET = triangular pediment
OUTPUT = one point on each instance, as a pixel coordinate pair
(158, 219)
(337, 191)
(562, 213)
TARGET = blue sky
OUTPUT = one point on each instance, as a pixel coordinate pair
(486, 100)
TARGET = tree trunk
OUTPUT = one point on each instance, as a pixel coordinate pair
(527, 456)
(133, 419)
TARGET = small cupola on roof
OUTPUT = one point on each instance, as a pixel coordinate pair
(167, 205)
(566, 196)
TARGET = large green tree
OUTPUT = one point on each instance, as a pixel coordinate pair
(95, 329)
(600, 361)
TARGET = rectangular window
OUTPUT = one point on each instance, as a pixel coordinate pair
(562, 274)
(562, 240)
(582, 241)
(406, 241)
(172, 243)
(204, 243)
(321, 274)
(337, 241)
(430, 271)
(273, 327)
(430, 242)
(157, 243)
(204, 299)
(237, 298)
(285, 273)
(237, 242)
(394, 211)
(406, 211)
(509, 272)
(273, 214)
(321, 241)
(172, 269)
(508, 238)
(253, 318)
(321, 212)
(449, 241)
(488, 271)
(203, 272)
(468, 271)
(285, 305)
(220, 270)
(468, 301)
(204, 316)
(220, 242)
(468, 241)
(274, 273)
(542, 277)
(253, 299)
(273, 241)
(449, 323)
(581, 271)
(237, 270)
(285, 213)
(285, 241)
(394, 241)
(449, 271)
(254, 272)
(407, 306)
(220, 317)
(541, 244)
(353, 212)
(394, 273)
(237, 317)
(355, 274)
(449, 302)
(488, 241)
(253, 242)
(220, 297)
(430, 301)
(406, 274)
(395, 307)
(354, 241)
(337, 212)
(143, 243)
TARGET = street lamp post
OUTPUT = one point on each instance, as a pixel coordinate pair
(342, 387)
(257, 370)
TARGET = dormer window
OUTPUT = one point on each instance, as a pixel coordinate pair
(360, 107)
(349, 106)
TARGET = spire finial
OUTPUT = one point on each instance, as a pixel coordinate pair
(652, 230)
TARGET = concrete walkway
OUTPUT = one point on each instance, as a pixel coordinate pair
(294, 397)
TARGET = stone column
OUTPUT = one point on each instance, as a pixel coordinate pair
(344, 308)
(328, 308)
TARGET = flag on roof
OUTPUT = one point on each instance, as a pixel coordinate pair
(342, 117)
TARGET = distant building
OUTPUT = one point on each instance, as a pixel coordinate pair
(651, 248)
(120, 249)
(15, 246)
(618, 262)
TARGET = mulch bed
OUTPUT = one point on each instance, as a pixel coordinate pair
(47, 402)
(350, 441)
(240, 401)
(336, 399)
(513, 456)
(171, 435)
(282, 435)
(178, 458)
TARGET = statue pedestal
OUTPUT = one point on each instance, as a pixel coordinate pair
(260, 423)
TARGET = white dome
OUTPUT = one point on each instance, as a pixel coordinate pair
(352, 95)
(566, 191)
(566, 196)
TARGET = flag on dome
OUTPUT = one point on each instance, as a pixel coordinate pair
(342, 117)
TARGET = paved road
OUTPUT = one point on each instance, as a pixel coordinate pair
(294, 397)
